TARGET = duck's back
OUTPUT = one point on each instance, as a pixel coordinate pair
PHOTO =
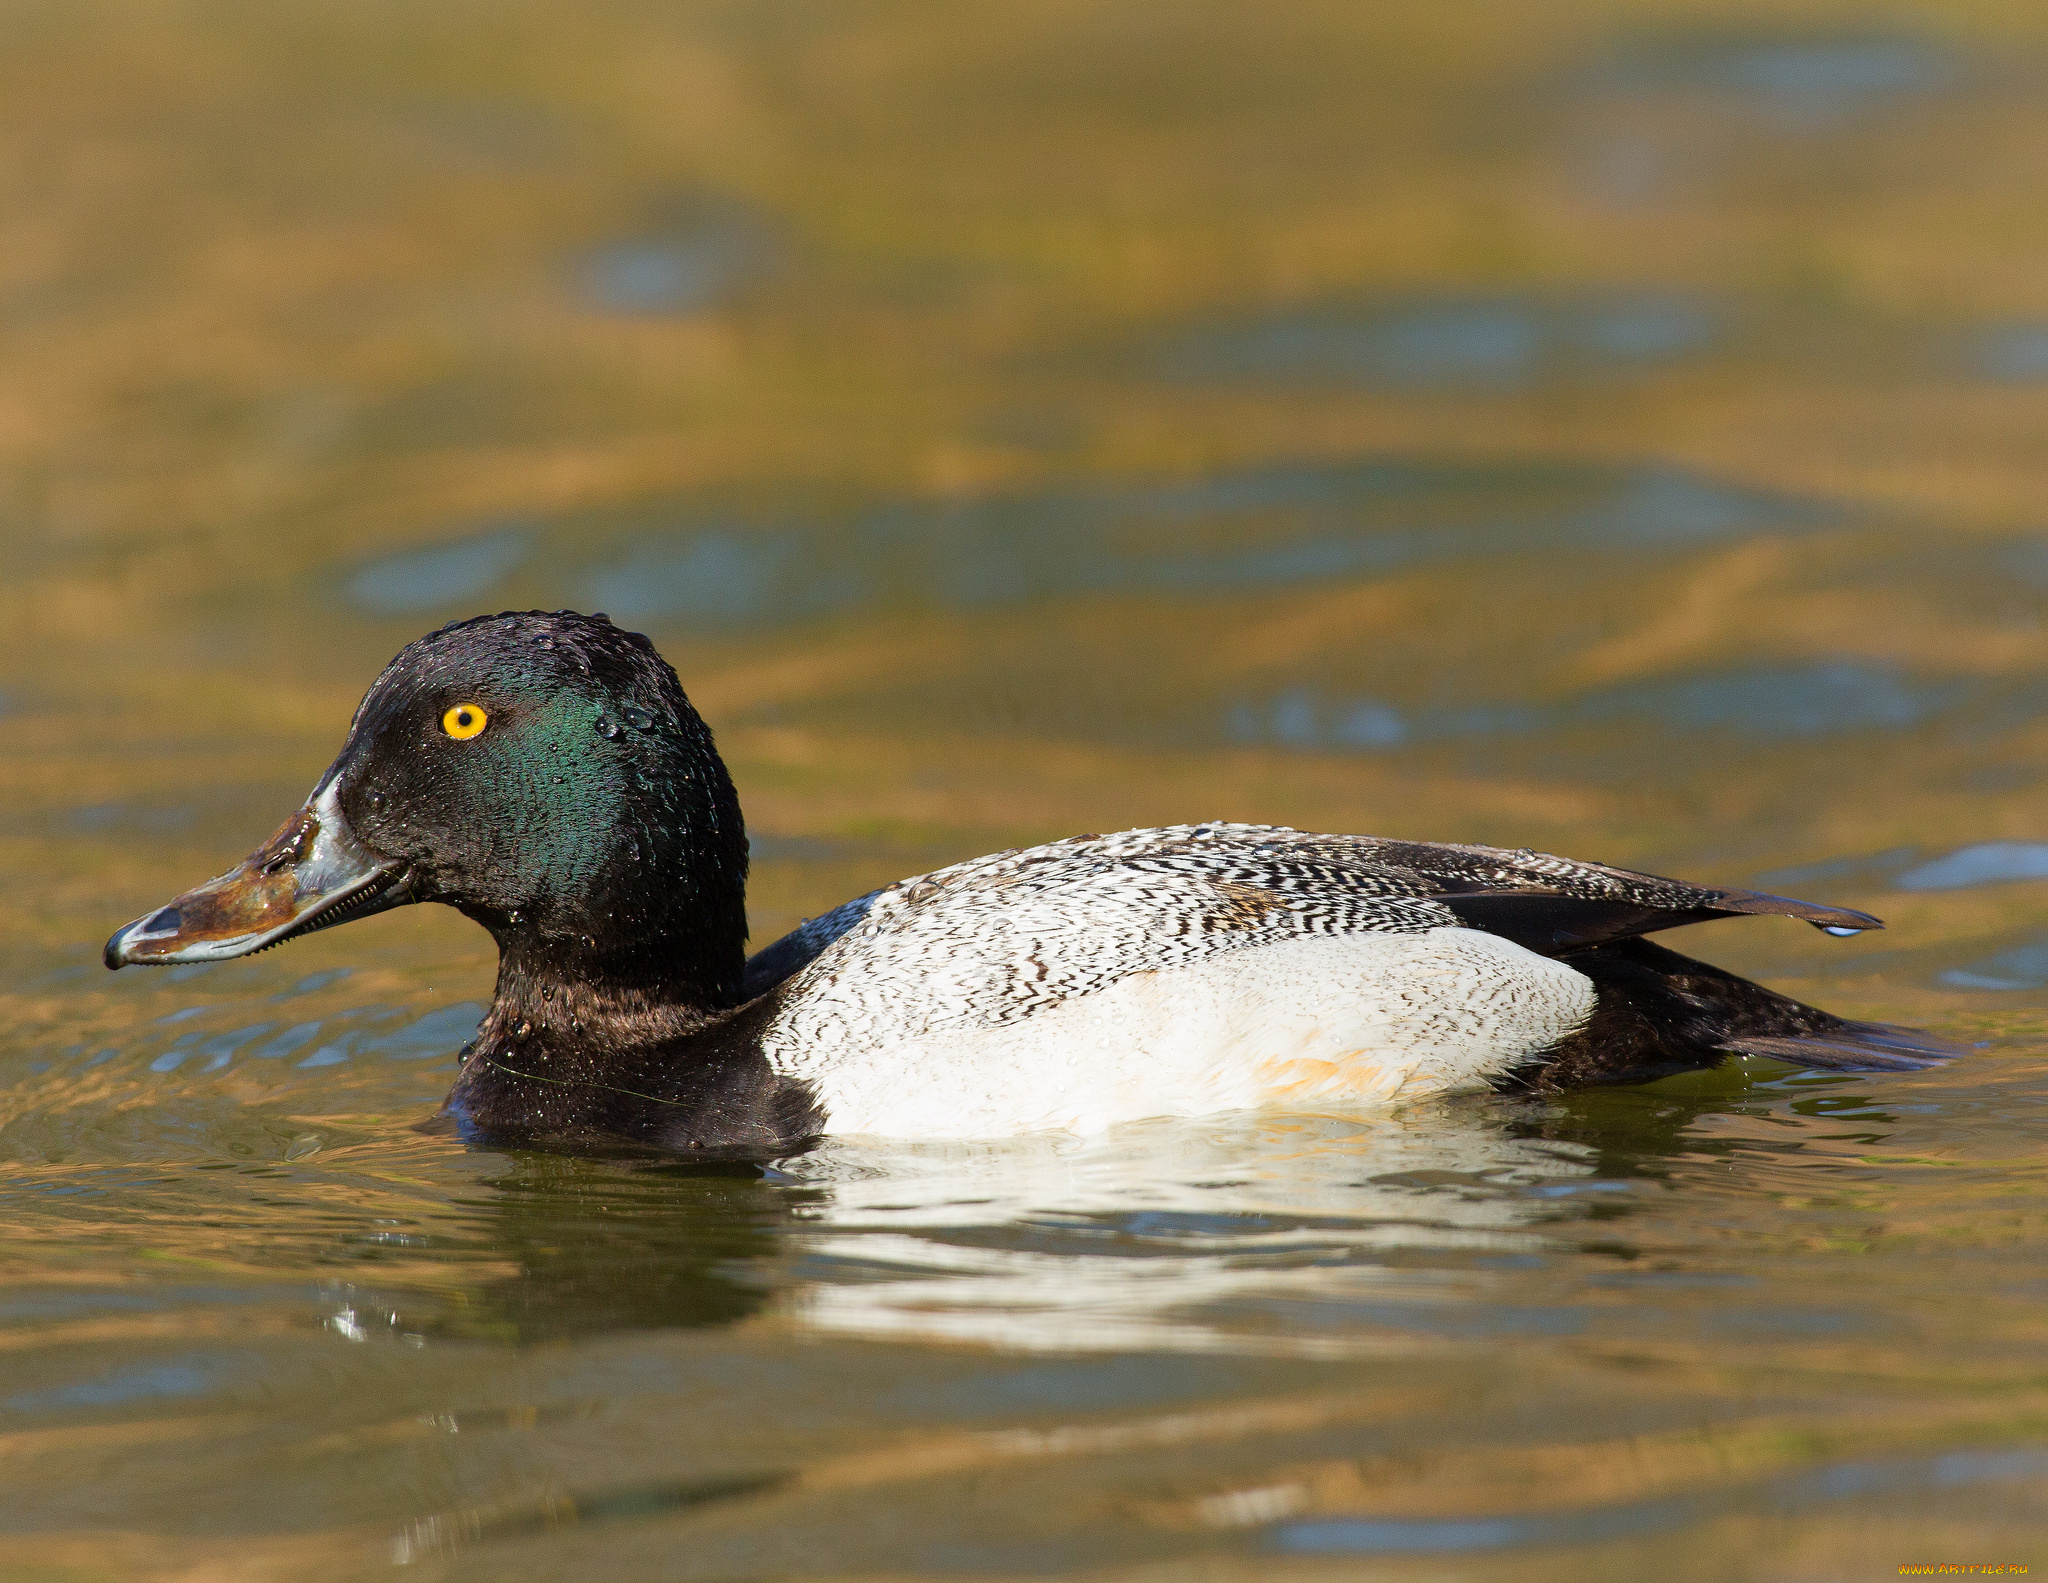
(1195, 969)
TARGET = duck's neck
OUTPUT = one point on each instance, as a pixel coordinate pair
(568, 1002)
(571, 1052)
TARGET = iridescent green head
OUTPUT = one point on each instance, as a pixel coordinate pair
(542, 772)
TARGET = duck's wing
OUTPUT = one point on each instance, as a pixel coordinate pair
(995, 939)
(799, 948)
(1552, 904)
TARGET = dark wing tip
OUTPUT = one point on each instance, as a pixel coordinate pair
(1816, 913)
(1855, 1047)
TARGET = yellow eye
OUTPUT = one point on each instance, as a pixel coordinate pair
(464, 721)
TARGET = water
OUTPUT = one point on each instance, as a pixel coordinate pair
(443, 575)
(698, 254)
(1500, 345)
(1809, 81)
(1498, 426)
(1258, 527)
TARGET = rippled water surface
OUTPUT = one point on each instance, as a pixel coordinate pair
(1548, 426)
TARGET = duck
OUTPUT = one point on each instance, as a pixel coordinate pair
(544, 774)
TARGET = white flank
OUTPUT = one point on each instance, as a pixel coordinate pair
(1308, 1022)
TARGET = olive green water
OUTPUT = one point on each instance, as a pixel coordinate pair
(1616, 429)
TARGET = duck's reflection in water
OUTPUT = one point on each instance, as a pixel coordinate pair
(1276, 1233)
(600, 1246)
(1183, 1234)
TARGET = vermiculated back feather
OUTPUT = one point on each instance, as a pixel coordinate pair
(993, 940)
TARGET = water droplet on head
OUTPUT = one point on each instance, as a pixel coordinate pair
(639, 719)
(607, 729)
(524, 1030)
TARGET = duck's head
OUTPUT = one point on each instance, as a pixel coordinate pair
(543, 773)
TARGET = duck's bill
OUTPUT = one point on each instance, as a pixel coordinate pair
(312, 873)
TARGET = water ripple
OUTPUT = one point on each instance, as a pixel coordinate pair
(1266, 527)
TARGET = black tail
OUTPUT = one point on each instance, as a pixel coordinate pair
(1658, 1012)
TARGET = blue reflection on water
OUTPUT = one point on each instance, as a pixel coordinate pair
(1782, 702)
(1421, 1535)
(684, 268)
(362, 1031)
(1500, 344)
(440, 1032)
(1791, 1492)
(721, 575)
(293, 1039)
(1093, 1384)
(45, 1306)
(657, 277)
(2025, 967)
(221, 1049)
(313, 981)
(1827, 77)
(1983, 864)
(179, 1052)
(444, 574)
(1435, 1319)
(2014, 353)
(1266, 527)
(193, 1378)
(1812, 82)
